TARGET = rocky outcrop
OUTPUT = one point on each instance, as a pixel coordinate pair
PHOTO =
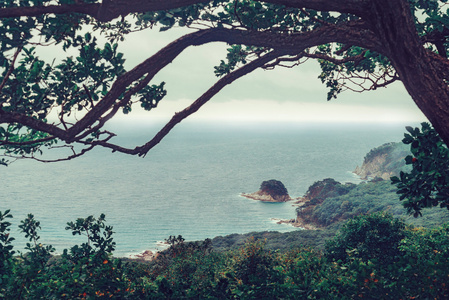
(270, 191)
(384, 161)
(316, 195)
(146, 255)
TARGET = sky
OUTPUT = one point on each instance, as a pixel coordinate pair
(279, 95)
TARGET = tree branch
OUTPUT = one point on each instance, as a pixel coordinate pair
(11, 68)
(356, 59)
(218, 86)
(13, 117)
(195, 106)
(290, 43)
(43, 140)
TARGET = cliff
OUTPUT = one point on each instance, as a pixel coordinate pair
(270, 191)
(384, 161)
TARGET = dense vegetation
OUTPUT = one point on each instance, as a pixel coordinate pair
(366, 246)
(427, 184)
(344, 201)
(273, 187)
(374, 256)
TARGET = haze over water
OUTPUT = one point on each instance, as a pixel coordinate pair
(189, 184)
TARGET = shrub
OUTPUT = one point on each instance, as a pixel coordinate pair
(6, 252)
(375, 236)
(427, 184)
(425, 263)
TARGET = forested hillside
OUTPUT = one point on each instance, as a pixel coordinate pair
(328, 204)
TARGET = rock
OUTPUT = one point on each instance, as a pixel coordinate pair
(384, 161)
(146, 255)
(320, 190)
(270, 191)
(316, 194)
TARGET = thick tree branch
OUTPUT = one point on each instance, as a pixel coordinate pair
(195, 106)
(13, 117)
(289, 43)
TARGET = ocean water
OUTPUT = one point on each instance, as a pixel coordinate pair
(188, 185)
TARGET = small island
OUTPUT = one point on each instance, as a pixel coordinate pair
(270, 191)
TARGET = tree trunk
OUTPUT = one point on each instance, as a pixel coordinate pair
(393, 23)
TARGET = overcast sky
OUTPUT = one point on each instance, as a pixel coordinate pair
(290, 95)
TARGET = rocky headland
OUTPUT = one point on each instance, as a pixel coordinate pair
(384, 161)
(270, 191)
(315, 196)
(378, 165)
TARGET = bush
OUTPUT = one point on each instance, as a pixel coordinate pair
(425, 262)
(427, 185)
(368, 237)
(373, 257)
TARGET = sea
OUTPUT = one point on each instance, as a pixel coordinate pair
(190, 184)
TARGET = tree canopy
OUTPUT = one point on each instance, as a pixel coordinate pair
(360, 45)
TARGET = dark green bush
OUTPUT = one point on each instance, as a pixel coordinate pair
(427, 184)
(368, 237)
(374, 257)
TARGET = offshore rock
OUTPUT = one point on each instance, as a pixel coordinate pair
(270, 191)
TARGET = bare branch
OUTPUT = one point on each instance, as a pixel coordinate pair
(11, 68)
(228, 79)
(337, 61)
(74, 155)
(278, 61)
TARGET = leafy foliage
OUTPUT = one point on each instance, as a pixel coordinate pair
(322, 189)
(274, 187)
(427, 185)
(6, 252)
(359, 199)
(69, 100)
(418, 266)
(276, 241)
(368, 237)
(330, 209)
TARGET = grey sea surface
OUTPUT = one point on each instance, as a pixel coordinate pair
(188, 185)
